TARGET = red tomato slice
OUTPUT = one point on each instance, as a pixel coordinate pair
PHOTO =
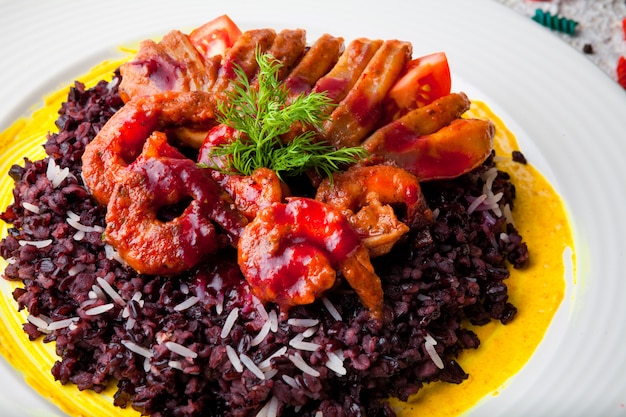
(425, 79)
(215, 37)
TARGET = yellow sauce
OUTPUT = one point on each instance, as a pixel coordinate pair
(537, 290)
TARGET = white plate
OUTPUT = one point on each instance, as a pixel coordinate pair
(569, 116)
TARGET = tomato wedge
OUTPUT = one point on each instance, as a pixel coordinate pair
(215, 37)
(425, 79)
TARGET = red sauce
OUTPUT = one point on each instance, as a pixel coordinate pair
(290, 252)
(335, 88)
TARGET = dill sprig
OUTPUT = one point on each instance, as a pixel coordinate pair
(262, 113)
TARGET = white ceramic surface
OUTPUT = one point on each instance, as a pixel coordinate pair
(570, 119)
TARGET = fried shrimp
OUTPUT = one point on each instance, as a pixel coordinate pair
(290, 252)
(165, 216)
(122, 138)
(367, 197)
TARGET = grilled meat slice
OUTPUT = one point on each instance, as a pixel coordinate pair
(242, 54)
(344, 75)
(359, 113)
(315, 63)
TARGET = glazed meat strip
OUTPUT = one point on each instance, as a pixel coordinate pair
(359, 112)
(242, 54)
(200, 74)
(344, 75)
(316, 63)
(288, 47)
(173, 64)
(421, 121)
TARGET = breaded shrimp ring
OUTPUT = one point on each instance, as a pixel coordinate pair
(367, 196)
(289, 254)
(122, 138)
(151, 241)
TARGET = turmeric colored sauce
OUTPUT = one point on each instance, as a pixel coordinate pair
(537, 290)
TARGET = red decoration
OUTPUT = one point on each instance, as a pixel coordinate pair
(621, 71)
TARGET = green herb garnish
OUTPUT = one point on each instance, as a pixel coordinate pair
(262, 113)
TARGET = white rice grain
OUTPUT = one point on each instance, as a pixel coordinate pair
(112, 254)
(175, 365)
(273, 318)
(112, 292)
(270, 409)
(336, 368)
(40, 323)
(99, 309)
(219, 307)
(181, 350)
(55, 174)
(234, 359)
(301, 364)
(260, 308)
(290, 381)
(267, 363)
(310, 332)
(489, 176)
(331, 309)
(335, 362)
(230, 322)
(189, 302)
(260, 337)
(477, 202)
(74, 220)
(135, 348)
(130, 323)
(429, 344)
(299, 343)
(97, 292)
(90, 301)
(506, 211)
(30, 207)
(303, 322)
(249, 363)
(61, 324)
(39, 244)
(76, 269)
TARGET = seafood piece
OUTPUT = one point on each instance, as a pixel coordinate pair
(369, 196)
(451, 151)
(243, 55)
(254, 192)
(288, 48)
(290, 252)
(344, 75)
(317, 61)
(422, 121)
(163, 213)
(173, 64)
(361, 110)
(179, 62)
(121, 140)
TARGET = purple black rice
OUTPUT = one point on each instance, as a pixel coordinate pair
(163, 341)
